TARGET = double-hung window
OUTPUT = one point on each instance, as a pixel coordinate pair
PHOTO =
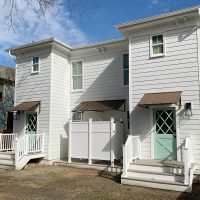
(126, 69)
(157, 45)
(77, 76)
(35, 66)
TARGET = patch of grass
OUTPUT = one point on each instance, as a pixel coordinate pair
(52, 174)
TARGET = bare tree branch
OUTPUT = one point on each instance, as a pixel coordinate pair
(75, 8)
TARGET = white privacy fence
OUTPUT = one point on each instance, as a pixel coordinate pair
(7, 141)
(95, 140)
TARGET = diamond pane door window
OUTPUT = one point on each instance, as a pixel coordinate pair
(164, 120)
(31, 130)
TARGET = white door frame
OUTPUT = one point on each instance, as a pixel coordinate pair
(177, 110)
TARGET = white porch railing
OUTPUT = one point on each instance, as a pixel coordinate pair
(20, 148)
(28, 144)
(131, 151)
(7, 141)
(188, 159)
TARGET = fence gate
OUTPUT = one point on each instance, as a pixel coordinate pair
(95, 140)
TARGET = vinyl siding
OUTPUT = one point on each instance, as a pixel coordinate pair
(102, 80)
(60, 110)
(34, 87)
(178, 70)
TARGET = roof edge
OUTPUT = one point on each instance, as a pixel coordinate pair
(157, 17)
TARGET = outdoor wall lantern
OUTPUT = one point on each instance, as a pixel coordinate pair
(16, 115)
(188, 109)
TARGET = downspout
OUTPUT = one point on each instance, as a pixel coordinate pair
(9, 53)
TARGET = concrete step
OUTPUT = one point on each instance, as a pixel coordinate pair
(154, 175)
(166, 185)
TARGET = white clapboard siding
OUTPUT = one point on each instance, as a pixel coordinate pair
(34, 87)
(177, 71)
(102, 78)
(60, 111)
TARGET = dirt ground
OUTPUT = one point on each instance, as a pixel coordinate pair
(57, 183)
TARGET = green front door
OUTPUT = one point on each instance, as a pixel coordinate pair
(164, 120)
(31, 130)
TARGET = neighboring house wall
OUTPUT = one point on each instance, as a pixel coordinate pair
(102, 78)
(34, 87)
(178, 70)
(7, 81)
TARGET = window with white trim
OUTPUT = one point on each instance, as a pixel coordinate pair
(35, 66)
(126, 69)
(157, 45)
(76, 116)
(77, 76)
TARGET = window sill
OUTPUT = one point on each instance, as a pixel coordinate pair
(35, 72)
(125, 86)
(157, 56)
(76, 91)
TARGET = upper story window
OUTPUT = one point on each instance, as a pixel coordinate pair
(35, 66)
(126, 69)
(157, 45)
(77, 75)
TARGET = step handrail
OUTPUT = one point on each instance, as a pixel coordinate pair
(188, 159)
(131, 151)
(20, 148)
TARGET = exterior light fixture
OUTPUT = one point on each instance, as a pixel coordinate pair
(16, 115)
(188, 109)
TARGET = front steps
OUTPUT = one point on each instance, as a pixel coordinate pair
(166, 175)
(7, 160)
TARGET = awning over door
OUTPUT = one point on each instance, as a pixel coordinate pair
(160, 99)
(100, 106)
(26, 106)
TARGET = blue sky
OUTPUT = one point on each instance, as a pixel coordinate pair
(75, 31)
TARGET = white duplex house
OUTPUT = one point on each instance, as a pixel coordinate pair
(142, 91)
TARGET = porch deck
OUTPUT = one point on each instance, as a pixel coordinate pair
(159, 163)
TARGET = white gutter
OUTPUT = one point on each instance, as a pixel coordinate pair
(11, 55)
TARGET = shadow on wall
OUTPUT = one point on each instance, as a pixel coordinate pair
(64, 142)
(106, 84)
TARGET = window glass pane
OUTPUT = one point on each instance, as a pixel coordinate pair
(76, 116)
(154, 39)
(79, 82)
(158, 49)
(77, 68)
(125, 61)
(35, 67)
(75, 85)
(35, 60)
(126, 77)
(160, 38)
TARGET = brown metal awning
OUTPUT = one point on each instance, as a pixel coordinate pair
(160, 99)
(26, 106)
(100, 106)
